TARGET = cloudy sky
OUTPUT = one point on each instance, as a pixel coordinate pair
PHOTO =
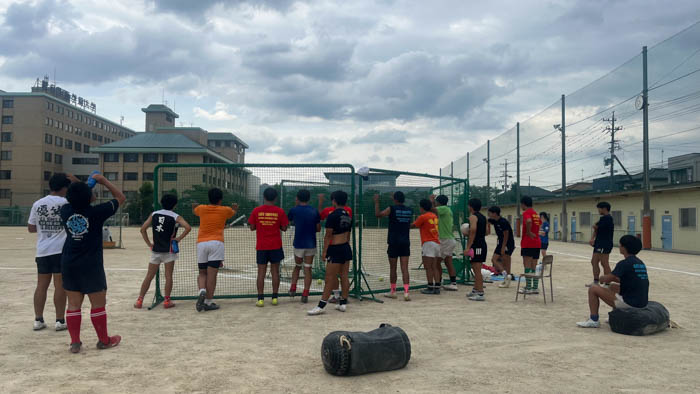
(395, 84)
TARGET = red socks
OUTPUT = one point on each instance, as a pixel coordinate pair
(405, 287)
(305, 293)
(73, 319)
(293, 287)
(393, 287)
(99, 321)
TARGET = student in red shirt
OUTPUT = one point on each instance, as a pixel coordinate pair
(267, 220)
(324, 212)
(530, 244)
(427, 222)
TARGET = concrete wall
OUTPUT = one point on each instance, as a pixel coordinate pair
(155, 120)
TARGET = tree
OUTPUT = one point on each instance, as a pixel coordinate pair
(140, 207)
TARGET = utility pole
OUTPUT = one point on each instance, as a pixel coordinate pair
(646, 218)
(517, 171)
(505, 176)
(487, 160)
(562, 128)
(612, 129)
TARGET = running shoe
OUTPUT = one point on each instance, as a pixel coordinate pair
(534, 291)
(304, 299)
(428, 291)
(524, 290)
(341, 307)
(75, 347)
(591, 284)
(450, 287)
(61, 326)
(476, 297)
(200, 301)
(211, 307)
(590, 323)
(167, 304)
(139, 303)
(39, 325)
(274, 301)
(113, 341)
(316, 311)
(390, 295)
(260, 303)
(406, 297)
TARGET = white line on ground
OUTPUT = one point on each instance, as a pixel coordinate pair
(587, 258)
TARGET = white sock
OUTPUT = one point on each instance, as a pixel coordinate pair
(208, 301)
(202, 291)
(505, 273)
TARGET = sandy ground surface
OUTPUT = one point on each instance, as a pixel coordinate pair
(458, 346)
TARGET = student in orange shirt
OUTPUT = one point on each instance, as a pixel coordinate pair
(427, 222)
(210, 245)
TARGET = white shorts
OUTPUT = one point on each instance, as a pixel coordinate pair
(430, 249)
(164, 257)
(304, 252)
(447, 247)
(620, 302)
(210, 251)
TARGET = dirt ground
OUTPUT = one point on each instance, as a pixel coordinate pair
(458, 345)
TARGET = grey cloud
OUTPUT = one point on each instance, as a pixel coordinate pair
(195, 8)
(382, 136)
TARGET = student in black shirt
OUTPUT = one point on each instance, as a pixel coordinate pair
(631, 283)
(602, 242)
(82, 266)
(398, 239)
(506, 244)
(476, 247)
(337, 253)
(163, 224)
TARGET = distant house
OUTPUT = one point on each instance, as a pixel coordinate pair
(684, 169)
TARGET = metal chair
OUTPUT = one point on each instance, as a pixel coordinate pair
(547, 264)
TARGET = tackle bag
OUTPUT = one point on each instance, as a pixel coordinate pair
(356, 353)
(639, 321)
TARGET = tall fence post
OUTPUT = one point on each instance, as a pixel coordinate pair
(564, 214)
(488, 171)
(517, 180)
(468, 168)
(646, 216)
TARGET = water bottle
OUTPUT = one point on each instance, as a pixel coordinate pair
(91, 182)
(538, 269)
(174, 247)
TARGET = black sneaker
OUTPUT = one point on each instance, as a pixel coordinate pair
(200, 302)
(75, 347)
(292, 293)
(428, 290)
(436, 290)
(304, 299)
(211, 307)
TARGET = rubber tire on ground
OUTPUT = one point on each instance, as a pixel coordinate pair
(336, 358)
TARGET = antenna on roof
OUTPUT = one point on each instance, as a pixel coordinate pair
(121, 120)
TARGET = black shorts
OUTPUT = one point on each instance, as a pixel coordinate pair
(398, 250)
(85, 278)
(602, 249)
(269, 256)
(213, 264)
(480, 252)
(339, 254)
(530, 252)
(544, 246)
(509, 250)
(49, 264)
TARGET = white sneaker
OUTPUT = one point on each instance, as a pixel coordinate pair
(341, 307)
(524, 290)
(316, 311)
(589, 323)
(591, 284)
(450, 287)
(506, 282)
(39, 325)
(406, 297)
(61, 326)
(390, 295)
(476, 297)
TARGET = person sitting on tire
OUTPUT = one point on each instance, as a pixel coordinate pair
(631, 287)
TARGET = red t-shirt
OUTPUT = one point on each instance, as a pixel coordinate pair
(531, 242)
(268, 220)
(329, 210)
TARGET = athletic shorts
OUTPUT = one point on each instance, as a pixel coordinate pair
(273, 256)
(544, 246)
(49, 264)
(530, 252)
(447, 247)
(210, 251)
(339, 254)
(620, 302)
(602, 250)
(480, 252)
(431, 249)
(398, 250)
(213, 264)
(509, 250)
(165, 257)
(85, 278)
(304, 252)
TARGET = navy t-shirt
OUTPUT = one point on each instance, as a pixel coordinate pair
(501, 225)
(634, 282)
(400, 218)
(305, 218)
(604, 234)
(544, 239)
(83, 245)
(339, 221)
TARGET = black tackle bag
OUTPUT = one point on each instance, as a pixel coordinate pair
(639, 321)
(355, 353)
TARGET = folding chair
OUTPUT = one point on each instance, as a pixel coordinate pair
(547, 263)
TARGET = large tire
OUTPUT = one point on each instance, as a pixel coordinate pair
(335, 356)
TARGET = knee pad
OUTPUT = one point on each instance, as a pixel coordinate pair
(308, 265)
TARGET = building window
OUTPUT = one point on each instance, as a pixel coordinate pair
(86, 160)
(58, 124)
(59, 141)
(5, 194)
(112, 176)
(87, 134)
(684, 175)
(69, 144)
(617, 218)
(585, 218)
(131, 194)
(131, 176)
(6, 155)
(78, 147)
(6, 137)
(47, 175)
(8, 103)
(7, 119)
(48, 138)
(5, 174)
(106, 194)
(86, 148)
(688, 217)
(99, 138)
(147, 176)
(47, 157)
(227, 144)
(150, 158)
(131, 157)
(169, 157)
(94, 137)
(170, 176)
(651, 216)
(111, 157)
(58, 159)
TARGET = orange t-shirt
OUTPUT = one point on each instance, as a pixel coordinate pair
(428, 225)
(212, 220)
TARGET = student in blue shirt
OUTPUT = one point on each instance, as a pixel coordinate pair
(307, 222)
(631, 283)
(544, 233)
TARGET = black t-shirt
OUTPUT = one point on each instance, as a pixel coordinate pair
(163, 223)
(604, 234)
(480, 237)
(634, 282)
(84, 233)
(339, 221)
(501, 225)
(399, 225)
